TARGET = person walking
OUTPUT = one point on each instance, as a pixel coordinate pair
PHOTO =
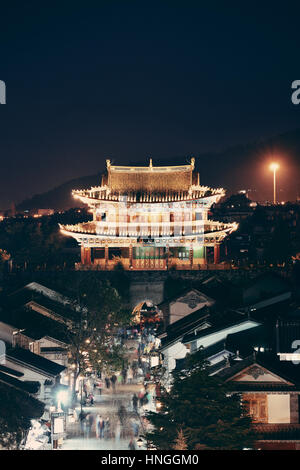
(131, 445)
(122, 413)
(107, 382)
(91, 399)
(135, 427)
(81, 417)
(146, 399)
(117, 431)
(98, 426)
(101, 427)
(100, 386)
(107, 428)
(134, 370)
(120, 379)
(89, 424)
(113, 380)
(140, 372)
(129, 375)
(124, 375)
(135, 401)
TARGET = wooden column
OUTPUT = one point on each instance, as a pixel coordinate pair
(106, 255)
(82, 254)
(85, 255)
(130, 255)
(203, 260)
(217, 253)
(88, 256)
(191, 255)
(167, 256)
(205, 254)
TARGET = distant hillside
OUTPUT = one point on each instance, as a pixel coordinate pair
(238, 167)
(60, 198)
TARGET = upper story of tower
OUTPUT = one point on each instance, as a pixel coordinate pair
(149, 184)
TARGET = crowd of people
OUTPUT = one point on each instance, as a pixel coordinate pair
(127, 422)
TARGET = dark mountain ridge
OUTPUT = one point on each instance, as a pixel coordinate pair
(237, 167)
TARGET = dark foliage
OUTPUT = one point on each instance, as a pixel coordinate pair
(202, 407)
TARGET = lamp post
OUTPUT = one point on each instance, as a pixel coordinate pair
(274, 167)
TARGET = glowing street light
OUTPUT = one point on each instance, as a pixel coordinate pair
(274, 167)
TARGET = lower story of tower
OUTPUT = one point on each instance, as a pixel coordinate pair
(149, 257)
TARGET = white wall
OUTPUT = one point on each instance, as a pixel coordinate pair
(30, 375)
(279, 408)
(181, 309)
(6, 332)
(176, 351)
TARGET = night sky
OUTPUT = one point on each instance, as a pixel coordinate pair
(88, 80)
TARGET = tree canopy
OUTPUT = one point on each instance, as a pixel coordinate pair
(98, 313)
(201, 408)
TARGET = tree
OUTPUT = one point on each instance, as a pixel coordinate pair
(180, 441)
(4, 256)
(98, 313)
(203, 408)
(279, 248)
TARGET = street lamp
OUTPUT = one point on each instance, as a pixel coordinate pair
(274, 167)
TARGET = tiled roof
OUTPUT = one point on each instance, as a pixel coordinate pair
(284, 369)
(185, 325)
(8, 370)
(177, 178)
(181, 292)
(219, 323)
(245, 341)
(30, 387)
(34, 361)
(34, 324)
(23, 403)
(26, 295)
(288, 333)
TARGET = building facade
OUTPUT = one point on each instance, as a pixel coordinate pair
(149, 218)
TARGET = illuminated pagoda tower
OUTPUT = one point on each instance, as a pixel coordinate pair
(149, 218)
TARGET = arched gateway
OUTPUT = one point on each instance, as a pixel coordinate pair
(149, 218)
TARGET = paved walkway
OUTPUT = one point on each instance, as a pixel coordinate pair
(124, 423)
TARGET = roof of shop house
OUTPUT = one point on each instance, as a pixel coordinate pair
(20, 399)
(33, 324)
(8, 370)
(206, 353)
(183, 292)
(26, 295)
(261, 336)
(34, 361)
(215, 349)
(185, 325)
(25, 386)
(286, 370)
(219, 289)
(288, 334)
(218, 323)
